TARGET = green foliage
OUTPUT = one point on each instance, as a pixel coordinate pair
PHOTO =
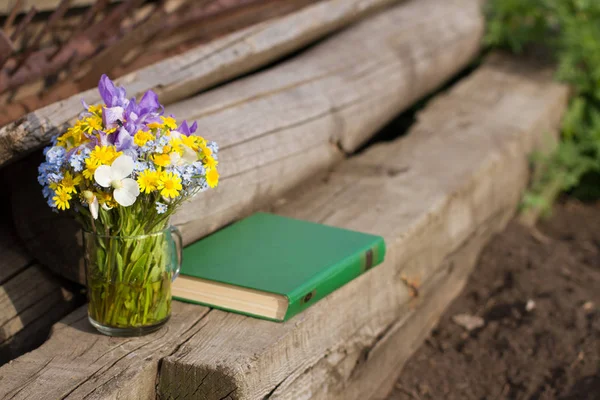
(570, 29)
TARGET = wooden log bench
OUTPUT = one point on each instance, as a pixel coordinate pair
(321, 105)
(280, 126)
(436, 196)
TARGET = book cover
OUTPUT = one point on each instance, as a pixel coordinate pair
(273, 267)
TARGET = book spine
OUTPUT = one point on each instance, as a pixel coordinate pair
(325, 283)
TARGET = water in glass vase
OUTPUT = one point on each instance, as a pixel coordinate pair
(129, 281)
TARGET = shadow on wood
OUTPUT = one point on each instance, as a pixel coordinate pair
(31, 298)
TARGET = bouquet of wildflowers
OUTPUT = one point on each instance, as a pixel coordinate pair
(122, 170)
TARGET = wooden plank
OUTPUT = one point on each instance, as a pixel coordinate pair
(435, 195)
(366, 365)
(200, 24)
(180, 30)
(181, 76)
(281, 126)
(31, 302)
(451, 182)
(31, 299)
(327, 95)
(77, 362)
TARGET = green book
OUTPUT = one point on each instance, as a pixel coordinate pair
(273, 267)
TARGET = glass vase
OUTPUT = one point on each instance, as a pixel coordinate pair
(129, 280)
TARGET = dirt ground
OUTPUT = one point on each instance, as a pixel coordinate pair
(539, 301)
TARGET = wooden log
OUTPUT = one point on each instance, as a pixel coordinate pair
(31, 299)
(281, 126)
(327, 95)
(181, 76)
(77, 362)
(140, 41)
(181, 30)
(31, 302)
(436, 195)
(366, 365)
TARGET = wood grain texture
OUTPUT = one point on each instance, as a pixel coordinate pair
(31, 302)
(205, 66)
(435, 196)
(281, 126)
(31, 299)
(365, 366)
(331, 93)
(77, 362)
(435, 212)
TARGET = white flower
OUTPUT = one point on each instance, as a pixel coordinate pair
(116, 176)
(189, 156)
(92, 201)
(174, 134)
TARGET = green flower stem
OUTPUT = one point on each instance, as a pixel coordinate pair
(129, 274)
(129, 280)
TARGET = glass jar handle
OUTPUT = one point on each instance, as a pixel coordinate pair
(179, 246)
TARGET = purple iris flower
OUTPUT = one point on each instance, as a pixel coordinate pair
(128, 115)
(113, 96)
(101, 139)
(148, 104)
(123, 140)
(137, 115)
(186, 130)
(112, 116)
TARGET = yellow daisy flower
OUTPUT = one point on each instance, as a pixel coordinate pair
(169, 122)
(205, 150)
(162, 160)
(142, 137)
(63, 140)
(148, 181)
(91, 124)
(175, 145)
(101, 155)
(212, 177)
(69, 182)
(210, 162)
(104, 155)
(169, 184)
(73, 137)
(191, 141)
(154, 125)
(90, 168)
(61, 199)
(96, 109)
